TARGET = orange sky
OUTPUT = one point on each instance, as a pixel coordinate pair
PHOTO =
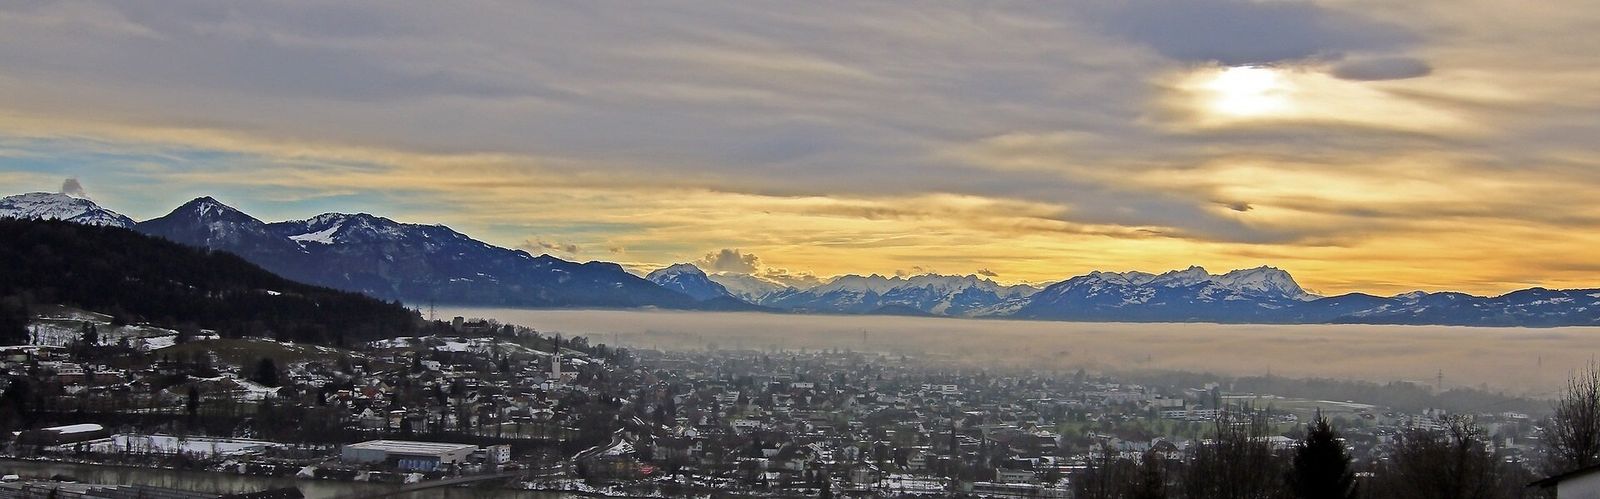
(1362, 146)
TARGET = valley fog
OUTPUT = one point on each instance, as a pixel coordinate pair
(1531, 362)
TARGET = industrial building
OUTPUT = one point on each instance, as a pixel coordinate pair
(60, 435)
(407, 455)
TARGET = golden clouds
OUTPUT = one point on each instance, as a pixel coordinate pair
(1211, 97)
(1373, 146)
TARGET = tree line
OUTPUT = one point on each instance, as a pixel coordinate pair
(137, 278)
(1457, 461)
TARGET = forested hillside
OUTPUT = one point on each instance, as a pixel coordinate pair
(137, 278)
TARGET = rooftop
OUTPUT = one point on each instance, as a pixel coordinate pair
(410, 447)
(76, 428)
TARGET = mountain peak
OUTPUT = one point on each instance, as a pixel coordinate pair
(207, 207)
(676, 268)
(690, 280)
(58, 206)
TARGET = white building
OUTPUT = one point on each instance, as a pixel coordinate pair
(407, 455)
(1578, 484)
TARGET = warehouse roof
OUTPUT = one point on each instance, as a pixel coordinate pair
(409, 447)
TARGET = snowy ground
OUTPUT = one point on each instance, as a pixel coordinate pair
(483, 346)
(61, 326)
(168, 444)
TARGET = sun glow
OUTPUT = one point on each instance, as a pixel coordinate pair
(1247, 91)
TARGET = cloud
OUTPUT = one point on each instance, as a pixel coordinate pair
(1037, 140)
(1235, 32)
(72, 187)
(542, 246)
(1238, 206)
(1385, 68)
(987, 273)
(730, 260)
(799, 280)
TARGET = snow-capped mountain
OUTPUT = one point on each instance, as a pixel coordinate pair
(410, 262)
(690, 280)
(1192, 294)
(1537, 307)
(56, 206)
(414, 262)
(750, 288)
(930, 294)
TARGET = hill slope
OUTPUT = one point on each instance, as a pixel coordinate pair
(141, 278)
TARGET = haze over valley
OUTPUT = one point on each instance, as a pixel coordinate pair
(1517, 360)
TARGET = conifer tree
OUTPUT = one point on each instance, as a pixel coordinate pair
(1322, 464)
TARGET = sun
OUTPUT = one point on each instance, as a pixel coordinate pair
(1247, 91)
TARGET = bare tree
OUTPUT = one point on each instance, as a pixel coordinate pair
(1453, 463)
(1237, 463)
(1572, 435)
(1112, 477)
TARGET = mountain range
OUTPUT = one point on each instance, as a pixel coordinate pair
(418, 263)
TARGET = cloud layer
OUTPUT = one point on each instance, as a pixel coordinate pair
(1390, 146)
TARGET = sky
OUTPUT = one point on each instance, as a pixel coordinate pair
(1361, 145)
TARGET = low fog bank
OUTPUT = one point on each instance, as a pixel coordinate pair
(1529, 362)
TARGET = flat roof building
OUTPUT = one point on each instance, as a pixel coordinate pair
(57, 435)
(407, 455)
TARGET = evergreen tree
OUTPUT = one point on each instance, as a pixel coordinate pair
(266, 372)
(14, 317)
(90, 335)
(1322, 465)
(193, 404)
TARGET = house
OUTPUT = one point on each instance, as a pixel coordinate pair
(1583, 483)
(610, 460)
(677, 449)
(1008, 475)
(862, 473)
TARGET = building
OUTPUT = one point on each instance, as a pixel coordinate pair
(407, 455)
(497, 454)
(1582, 483)
(59, 435)
(1008, 475)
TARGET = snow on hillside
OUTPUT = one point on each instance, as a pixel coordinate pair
(53, 206)
(747, 287)
(324, 236)
(1259, 281)
(62, 326)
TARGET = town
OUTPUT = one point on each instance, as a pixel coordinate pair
(476, 403)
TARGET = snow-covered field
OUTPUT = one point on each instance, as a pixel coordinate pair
(456, 344)
(169, 444)
(62, 326)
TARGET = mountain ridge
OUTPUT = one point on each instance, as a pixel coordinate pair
(392, 260)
